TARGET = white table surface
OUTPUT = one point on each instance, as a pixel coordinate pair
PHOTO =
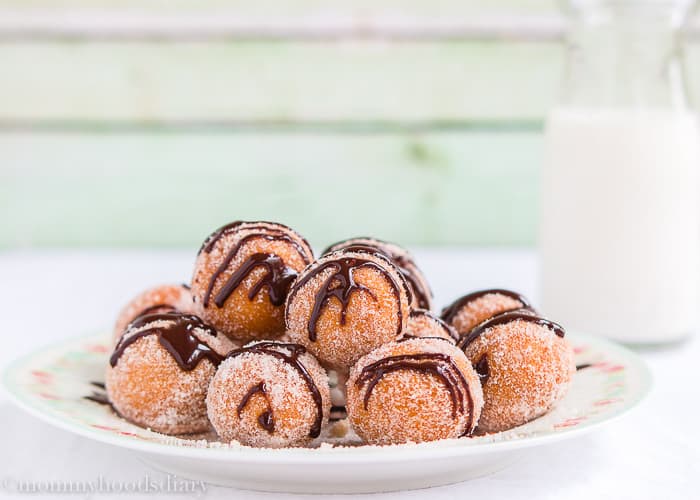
(47, 296)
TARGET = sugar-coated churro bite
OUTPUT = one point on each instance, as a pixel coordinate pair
(159, 372)
(422, 323)
(269, 394)
(525, 365)
(414, 390)
(242, 276)
(159, 299)
(345, 305)
(471, 309)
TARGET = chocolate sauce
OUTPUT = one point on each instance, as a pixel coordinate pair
(266, 419)
(343, 286)
(449, 312)
(176, 337)
(211, 240)
(277, 279)
(291, 357)
(420, 289)
(482, 369)
(232, 227)
(356, 247)
(380, 253)
(440, 365)
(447, 328)
(99, 398)
(583, 366)
(338, 413)
(506, 317)
(156, 308)
(405, 265)
(408, 336)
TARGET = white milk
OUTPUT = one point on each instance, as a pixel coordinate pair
(619, 236)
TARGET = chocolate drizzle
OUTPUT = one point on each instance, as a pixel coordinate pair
(451, 332)
(402, 261)
(211, 240)
(482, 369)
(421, 291)
(156, 308)
(440, 365)
(98, 397)
(507, 317)
(276, 279)
(232, 227)
(449, 312)
(583, 366)
(408, 336)
(176, 336)
(338, 413)
(341, 284)
(266, 419)
(291, 357)
(278, 276)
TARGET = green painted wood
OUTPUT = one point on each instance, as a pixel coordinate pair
(291, 8)
(278, 82)
(170, 189)
(437, 83)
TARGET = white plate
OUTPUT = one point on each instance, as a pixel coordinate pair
(51, 384)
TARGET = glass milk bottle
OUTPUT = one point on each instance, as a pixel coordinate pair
(619, 234)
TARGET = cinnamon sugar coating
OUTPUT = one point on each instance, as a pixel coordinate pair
(465, 315)
(259, 398)
(161, 298)
(422, 323)
(525, 367)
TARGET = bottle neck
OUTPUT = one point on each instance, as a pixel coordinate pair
(625, 54)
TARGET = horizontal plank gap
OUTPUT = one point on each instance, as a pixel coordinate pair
(119, 25)
(232, 126)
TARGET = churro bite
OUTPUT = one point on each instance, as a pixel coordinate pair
(414, 390)
(345, 305)
(421, 295)
(160, 370)
(525, 365)
(470, 310)
(422, 323)
(242, 276)
(159, 299)
(269, 394)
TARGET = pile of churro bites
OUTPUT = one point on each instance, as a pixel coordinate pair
(273, 347)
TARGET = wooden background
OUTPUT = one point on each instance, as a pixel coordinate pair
(148, 123)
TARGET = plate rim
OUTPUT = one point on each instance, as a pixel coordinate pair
(330, 455)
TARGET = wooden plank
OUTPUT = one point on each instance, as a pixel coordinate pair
(169, 189)
(183, 82)
(291, 9)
